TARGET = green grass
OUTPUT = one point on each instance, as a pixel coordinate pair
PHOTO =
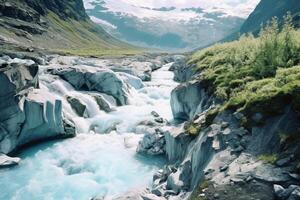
(68, 36)
(84, 38)
(254, 74)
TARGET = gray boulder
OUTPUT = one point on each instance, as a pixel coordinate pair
(92, 79)
(182, 71)
(152, 144)
(103, 103)
(295, 195)
(131, 80)
(174, 183)
(78, 106)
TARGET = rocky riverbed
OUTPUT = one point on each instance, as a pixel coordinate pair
(136, 134)
(106, 105)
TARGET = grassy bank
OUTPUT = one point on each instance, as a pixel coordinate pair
(254, 74)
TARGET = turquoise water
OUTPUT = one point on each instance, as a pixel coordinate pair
(79, 168)
(93, 164)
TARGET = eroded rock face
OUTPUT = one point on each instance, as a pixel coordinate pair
(182, 71)
(43, 118)
(189, 99)
(92, 79)
(27, 114)
(15, 76)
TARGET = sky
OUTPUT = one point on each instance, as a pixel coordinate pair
(238, 8)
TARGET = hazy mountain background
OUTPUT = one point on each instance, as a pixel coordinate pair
(166, 24)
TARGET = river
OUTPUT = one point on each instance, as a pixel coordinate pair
(92, 164)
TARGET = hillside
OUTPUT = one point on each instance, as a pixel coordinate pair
(267, 9)
(59, 26)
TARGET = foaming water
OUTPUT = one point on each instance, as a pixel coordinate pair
(93, 163)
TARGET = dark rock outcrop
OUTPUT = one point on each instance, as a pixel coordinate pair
(77, 106)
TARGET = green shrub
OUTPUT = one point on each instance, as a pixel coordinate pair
(254, 74)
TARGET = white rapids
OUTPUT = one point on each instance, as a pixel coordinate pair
(91, 164)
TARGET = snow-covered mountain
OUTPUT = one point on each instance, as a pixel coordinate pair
(170, 24)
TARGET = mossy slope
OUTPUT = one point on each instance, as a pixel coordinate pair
(254, 74)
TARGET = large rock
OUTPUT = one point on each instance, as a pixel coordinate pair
(93, 79)
(152, 143)
(133, 81)
(16, 76)
(295, 195)
(189, 99)
(105, 102)
(140, 69)
(43, 118)
(27, 114)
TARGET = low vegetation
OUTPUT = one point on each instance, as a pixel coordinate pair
(83, 38)
(268, 158)
(254, 74)
(193, 129)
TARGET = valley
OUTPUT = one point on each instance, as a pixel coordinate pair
(106, 101)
